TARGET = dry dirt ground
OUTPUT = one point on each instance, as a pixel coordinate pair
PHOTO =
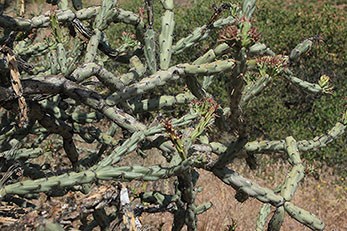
(319, 193)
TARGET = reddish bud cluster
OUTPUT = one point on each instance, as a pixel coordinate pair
(277, 61)
(231, 34)
(254, 34)
(170, 130)
(128, 35)
(206, 105)
(142, 13)
(213, 104)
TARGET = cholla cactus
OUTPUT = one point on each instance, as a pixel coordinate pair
(63, 86)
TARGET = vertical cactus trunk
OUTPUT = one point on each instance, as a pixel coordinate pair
(150, 50)
(166, 34)
(92, 47)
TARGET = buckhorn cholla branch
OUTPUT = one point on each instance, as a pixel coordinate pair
(60, 100)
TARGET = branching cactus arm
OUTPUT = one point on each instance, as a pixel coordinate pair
(122, 101)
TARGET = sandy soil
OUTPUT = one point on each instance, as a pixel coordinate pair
(323, 197)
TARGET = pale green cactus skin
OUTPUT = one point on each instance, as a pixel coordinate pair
(166, 34)
(291, 183)
(105, 76)
(105, 14)
(304, 217)
(248, 8)
(93, 46)
(199, 34)
(49, 226)
(203, 208)
(300, 49)
(25, 153)
(262, 216)
(313, 87)
(31, 49)
(173, 73)
(303, 145)
(150, 50)
(66, 102)
(105, 173)
(61, 55)
(53, 61)
(208, 68)
(161, 102)
(255, 89)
